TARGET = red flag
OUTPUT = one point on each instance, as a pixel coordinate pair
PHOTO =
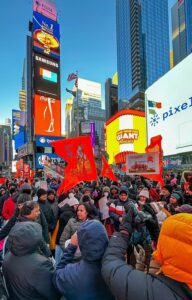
(78, 153)
(107, 171)
(72, 76)
(155, 146)
(2, 180)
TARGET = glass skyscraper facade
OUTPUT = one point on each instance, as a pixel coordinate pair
(181, 15)
(142, 46)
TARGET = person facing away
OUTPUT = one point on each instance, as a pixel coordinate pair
(28, 274)
(173, 255)
(83, 280)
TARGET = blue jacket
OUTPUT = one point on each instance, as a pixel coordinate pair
(83, 280)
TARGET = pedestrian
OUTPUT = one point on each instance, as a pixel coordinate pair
(28, 274)
(83, 280)
(173, 254)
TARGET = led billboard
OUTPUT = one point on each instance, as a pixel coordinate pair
(172, 119)
(125, 131)
(47, 116)
(46, 36)
(47, 160)
(46, 76)
(44, 141)
(46, 8)
(18, 127)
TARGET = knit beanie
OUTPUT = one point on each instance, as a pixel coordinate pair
(176, 196)
(144, 193)
(185, 208)
(106, 189)
(41, 192)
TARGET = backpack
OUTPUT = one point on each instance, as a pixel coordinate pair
(180, 288)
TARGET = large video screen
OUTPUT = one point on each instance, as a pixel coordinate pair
(46, 36)
(172, 118)
(46, 8)
(46, 76)
(47, 116)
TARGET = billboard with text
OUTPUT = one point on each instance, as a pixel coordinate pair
(46, 8)
(47, 116)
(46, 36)
(46, 76)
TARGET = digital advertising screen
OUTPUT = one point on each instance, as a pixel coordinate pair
(18, 127)
(44, 141)
(46, 76)
(172, 118)
(47, 160)
(125, 131)
(46, 36)
(46, 8)
(47, 116)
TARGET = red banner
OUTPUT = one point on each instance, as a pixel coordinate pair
(26, 171)
(2, 180)
(107, 171)
(78, 153)
(155, 146)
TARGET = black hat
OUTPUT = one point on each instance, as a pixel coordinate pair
(114, 187)
(123, 189)
(168, 187)
(41, 192)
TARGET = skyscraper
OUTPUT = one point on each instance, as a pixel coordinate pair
(181, 15)
(142, 48)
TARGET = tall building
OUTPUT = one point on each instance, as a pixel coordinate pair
(111, 98)
(68, 120)
(22, 93)
(5, 145)
(89, 107)
(181, 15)
(142, 48)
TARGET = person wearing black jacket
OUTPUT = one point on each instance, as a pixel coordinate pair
(126, 283)
(28, 274)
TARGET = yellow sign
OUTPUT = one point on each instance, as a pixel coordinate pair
(126, 131)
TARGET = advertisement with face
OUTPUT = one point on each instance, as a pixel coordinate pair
(172, 119)
(46, 36)
(46, 8)
(47, 116)
(46, 76)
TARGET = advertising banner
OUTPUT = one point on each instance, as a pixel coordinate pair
(26, 171)
(46, 8)
(46, 36)
(47, 116)
(47, 160)
(44, 141)
(173, 118)
(18, 127)
(146, 163)
(46, 76)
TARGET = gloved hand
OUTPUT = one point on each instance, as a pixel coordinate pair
(140, 257)
(128, 219)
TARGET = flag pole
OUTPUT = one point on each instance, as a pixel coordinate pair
(77, 98)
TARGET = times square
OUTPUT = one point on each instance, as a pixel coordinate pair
(96, 150)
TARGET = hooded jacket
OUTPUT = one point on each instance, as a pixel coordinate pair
(83, 280)
(127, 283)
(28, 274)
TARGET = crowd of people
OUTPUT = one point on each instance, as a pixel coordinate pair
(125, 240)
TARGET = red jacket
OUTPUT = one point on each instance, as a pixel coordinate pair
(8, 208)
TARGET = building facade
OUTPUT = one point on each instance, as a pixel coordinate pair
(89, 108)
(181, 16)
(111, 98)
(142, 29)
(5, 146)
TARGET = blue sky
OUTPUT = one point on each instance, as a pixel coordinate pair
(88, 44)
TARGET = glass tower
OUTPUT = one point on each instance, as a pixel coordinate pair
(181, 15)
(142, 47)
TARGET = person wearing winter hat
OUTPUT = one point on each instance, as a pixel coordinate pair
(166, 193)
(175, 201)
(25, 188)
(83, 280)
(52, 199)
(114, 192)
(117, 207)
(45, 207)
